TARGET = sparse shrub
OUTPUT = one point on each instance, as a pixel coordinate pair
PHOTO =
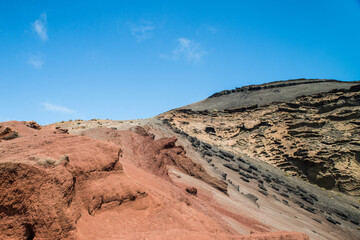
(46, 161)
(51, 162)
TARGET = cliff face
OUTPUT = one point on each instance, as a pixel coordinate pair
(315, 137)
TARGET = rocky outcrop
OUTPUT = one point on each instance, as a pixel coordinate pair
(191, 190)
(7, 133)
(155, 156)
(41, 188)
(62, 186)
(315, 137)
(33, 124)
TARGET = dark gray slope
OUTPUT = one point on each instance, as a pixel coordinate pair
(267, 93)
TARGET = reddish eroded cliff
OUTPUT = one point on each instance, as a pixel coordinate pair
(62, 186)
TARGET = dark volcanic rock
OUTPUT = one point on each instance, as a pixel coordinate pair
(263, 192)
(7, 133)
(333, 221)
(231, 166)
(275, 92)
(299, 203)
(284, 195)
(262, 187)
(309, 209)
(210, 130)
(227, 154)
(244, 179)
(191, 190)
(356, 222)
(308, 199)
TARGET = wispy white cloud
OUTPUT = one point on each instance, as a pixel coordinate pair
(36, 61)
(142, 31)
(206, 29)
(187, 49)
(40, 27)
(57, 108)
(211, 29)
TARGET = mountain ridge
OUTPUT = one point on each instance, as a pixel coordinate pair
(276, 84)
(267, 93)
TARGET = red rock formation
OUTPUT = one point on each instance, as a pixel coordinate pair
(61, 186)
(154, 155)
(6, 133)
(33, 124)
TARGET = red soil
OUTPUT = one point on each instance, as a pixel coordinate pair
(106, 185)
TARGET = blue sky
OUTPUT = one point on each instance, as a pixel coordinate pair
(121, 60)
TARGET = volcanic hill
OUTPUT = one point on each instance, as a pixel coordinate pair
(229, 167)
(308, 128)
